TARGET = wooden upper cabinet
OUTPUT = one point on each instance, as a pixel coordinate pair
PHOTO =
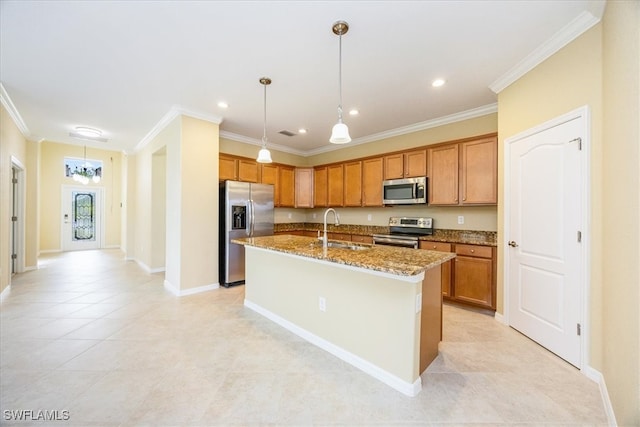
(248, 170)
(443, 175)
(227, 168)
(320, 186)
(479, 171)
(269, 175)
(286, 184)
(415, 163)
(372, 177)
(405, 165)
(304, 187)
(335, 185)
(353, 183)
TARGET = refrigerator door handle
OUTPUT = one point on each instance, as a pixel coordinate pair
(249, 218)
(252, 217)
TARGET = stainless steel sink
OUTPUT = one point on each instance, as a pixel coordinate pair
(345, 245)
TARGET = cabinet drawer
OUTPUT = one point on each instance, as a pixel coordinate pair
(473, 250)
(436, 246)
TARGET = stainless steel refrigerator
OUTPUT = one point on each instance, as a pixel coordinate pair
(246, 210)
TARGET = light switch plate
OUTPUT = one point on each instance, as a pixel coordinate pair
(460, 219)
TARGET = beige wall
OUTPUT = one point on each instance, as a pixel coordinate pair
(13, 144)
(52, 180)
(599, 69)
(251, 151)
(621, 209)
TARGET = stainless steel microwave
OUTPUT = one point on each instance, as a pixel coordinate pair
(406, 191)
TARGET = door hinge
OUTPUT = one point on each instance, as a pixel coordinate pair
(14, 218)
(14, 256)
(579, 141)
(579, 329)
(579, 236)
(14, 180)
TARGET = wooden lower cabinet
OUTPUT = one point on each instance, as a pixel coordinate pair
(470, 278)
(361, 238)
(446, 267)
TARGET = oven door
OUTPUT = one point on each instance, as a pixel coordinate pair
(395, 241)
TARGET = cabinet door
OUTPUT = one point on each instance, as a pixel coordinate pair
(473, 280)
(286, 182)
(372, 176)
(269, 175)
(227, 168)
(353, 184)
(335, 185)
(479, 172)
(304, 188)
(415, 163)
(443, 175)
(320, 186)
(446, 267)
(248, 170)
(394, 166)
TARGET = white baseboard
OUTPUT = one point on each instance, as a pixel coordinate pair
(409, 389)
(181, 293)
(31, 268)
(50, 251)
(157, 270)
(595, 375)
(5, 293)
(111, 247)
(500, 318)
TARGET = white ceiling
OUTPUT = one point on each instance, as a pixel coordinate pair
(122, 66)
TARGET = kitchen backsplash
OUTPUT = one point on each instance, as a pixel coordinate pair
(483, 218)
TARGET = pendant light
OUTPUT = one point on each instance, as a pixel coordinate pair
(340, 132)
(264, 156)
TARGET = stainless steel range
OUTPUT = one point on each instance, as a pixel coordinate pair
(405, 232)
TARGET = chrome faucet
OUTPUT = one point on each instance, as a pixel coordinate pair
(337, 218)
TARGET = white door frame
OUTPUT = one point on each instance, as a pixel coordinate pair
(20, 225)
(585, 252)
(100, 228)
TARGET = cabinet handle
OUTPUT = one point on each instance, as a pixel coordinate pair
(473, 250)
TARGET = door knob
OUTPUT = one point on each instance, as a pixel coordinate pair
(512, 244)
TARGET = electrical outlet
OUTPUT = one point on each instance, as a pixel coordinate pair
(322, 304)
(460, 219)
(289, 215)
(369, 217)
(314, 216)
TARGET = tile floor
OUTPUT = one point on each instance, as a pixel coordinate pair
(94, 335)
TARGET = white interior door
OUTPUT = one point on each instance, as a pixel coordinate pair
(81, 218)
(544, 233)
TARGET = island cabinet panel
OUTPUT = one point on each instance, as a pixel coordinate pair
(353, 183)
(405, 165)
(320, 186)
(339, 236)
(248, 170)
(446, 267)
(335, 185)
(443, 175)
(372, 177)
(479, 171)
(361, 238)
(286, 184)
(304, 187)
(227, 168)
(474, 279)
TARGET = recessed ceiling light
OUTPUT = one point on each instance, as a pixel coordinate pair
(223, 104)
(302, 130)
(354, 112)
(89, 132)
(437, 82)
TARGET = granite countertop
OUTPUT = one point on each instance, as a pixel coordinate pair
(469, 237)
(388, 259)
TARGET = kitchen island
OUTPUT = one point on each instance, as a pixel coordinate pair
(378, 308)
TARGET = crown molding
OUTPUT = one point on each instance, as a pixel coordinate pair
(253, 141)
(566, 35)
(441, 121)
(5, 99)
(174, 111)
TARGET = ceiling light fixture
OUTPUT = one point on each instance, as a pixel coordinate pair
(85, 132)
(437, 83)
(354, 112)
(302, 130)
(340, 131)
(223, 104)
(86, 172)
(264, 156)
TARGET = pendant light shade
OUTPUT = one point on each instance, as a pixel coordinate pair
(340, 132)
(264, 156)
